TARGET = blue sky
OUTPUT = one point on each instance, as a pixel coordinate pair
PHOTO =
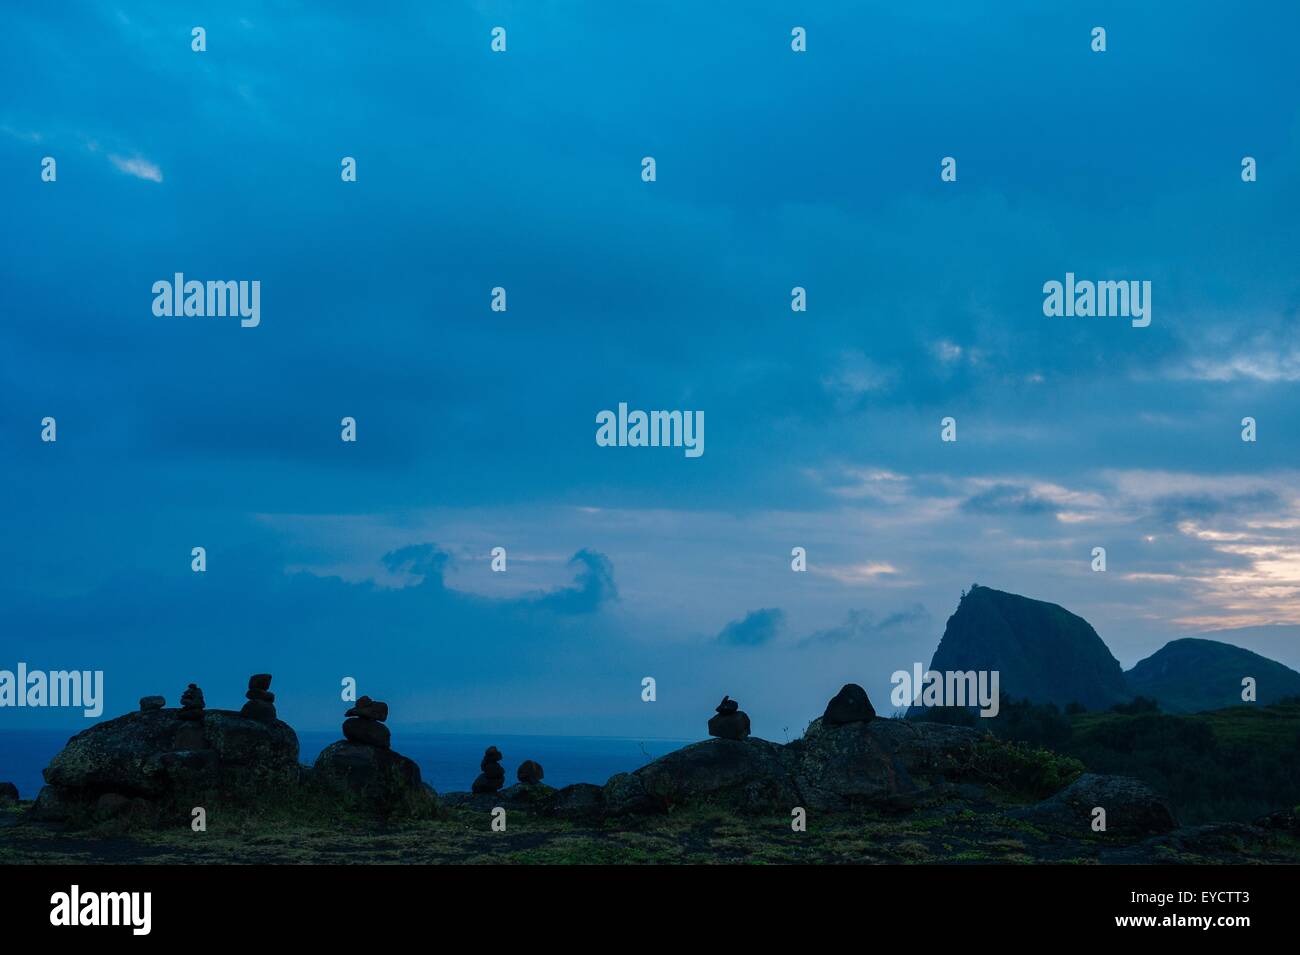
(476, 428)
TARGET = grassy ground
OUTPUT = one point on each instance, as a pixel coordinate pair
(700, 835)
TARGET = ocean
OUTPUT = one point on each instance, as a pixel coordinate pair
(447, 761)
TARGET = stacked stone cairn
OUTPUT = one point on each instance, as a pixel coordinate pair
(492, 777)
(365, 723)
(730, 722)
(261, 701)
(191, 703)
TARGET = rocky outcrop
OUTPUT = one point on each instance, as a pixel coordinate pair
(377, 779)
(8, 794)
(579, 801)
(163, 756)
(848, 760)
(1132, 807)
(747, 775)
(888, 763)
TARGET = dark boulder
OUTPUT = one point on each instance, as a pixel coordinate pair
(624, 794)
(886, 763)
(849, 705)
(530, 772)
(127, 809)
(260, 696)
(733, 725)
(138, 755)
(249, 743)
(745, 776)
(367, 732)
(1133, 809)
(259, 681)
(8, 794)
(378, 779)
(579, 801)
(54, 804)
(148, 703)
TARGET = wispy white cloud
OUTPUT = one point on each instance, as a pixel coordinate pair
(22, 135)
(138, 167)
(1263, 366)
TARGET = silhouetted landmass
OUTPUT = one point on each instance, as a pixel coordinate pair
(1042, 651)
(1192, 675)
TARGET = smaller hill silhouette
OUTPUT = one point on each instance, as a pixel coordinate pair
(1193, 675)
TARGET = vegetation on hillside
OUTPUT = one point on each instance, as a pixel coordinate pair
(1233, 764)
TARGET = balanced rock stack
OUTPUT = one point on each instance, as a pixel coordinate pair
(261, 701)
(530, 772)
(365, 723)
(191, 703)
(849, 705)
(381, 779)
(493, 776)
(731, 721)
